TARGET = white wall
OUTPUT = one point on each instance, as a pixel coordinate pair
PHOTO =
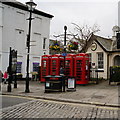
(15, 30)
(95, 60)
(1, 29)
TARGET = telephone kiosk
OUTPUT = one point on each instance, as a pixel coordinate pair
(81, 68)
(45, 66)
(69, 65)
(57, 61)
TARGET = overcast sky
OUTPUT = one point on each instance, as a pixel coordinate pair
(104, 13)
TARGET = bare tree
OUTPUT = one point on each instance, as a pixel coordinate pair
(83, 34)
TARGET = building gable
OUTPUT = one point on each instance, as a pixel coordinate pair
(104, 43)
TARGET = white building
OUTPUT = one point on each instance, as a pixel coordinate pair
(13, 33)
(103, 53)
(119, 13)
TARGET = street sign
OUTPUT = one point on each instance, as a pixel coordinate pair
(71, 84)
(64, 54)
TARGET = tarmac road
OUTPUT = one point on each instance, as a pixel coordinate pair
(8, 100)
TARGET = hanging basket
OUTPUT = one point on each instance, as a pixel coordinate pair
(73, 46)
(55, 47)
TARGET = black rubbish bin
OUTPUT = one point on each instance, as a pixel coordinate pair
(54, 83)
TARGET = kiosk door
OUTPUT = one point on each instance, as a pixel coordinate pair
(78, 71)
(53, 67)
(82, 68)
(69, 65)
(67, 68)
(57, 61)
(45, 67)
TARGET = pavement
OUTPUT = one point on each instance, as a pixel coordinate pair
(101, 94)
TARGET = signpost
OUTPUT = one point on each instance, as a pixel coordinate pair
(64, 54)
(71, 84)
(12, 68)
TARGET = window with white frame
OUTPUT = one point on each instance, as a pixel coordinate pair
(35, 67)
(44, 43)
(19, 67)
(100, 60)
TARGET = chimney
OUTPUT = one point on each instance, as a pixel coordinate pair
(115, 30)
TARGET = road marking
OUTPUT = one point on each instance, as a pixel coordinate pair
(67, 103)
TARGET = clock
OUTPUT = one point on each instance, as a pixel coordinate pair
(93, 46)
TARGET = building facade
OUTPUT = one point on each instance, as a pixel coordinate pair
(103, 54)
(13, 33)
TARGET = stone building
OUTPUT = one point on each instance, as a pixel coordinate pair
(103, 53)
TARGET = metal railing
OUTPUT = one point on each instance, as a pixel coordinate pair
(94, 75)
(114, 74)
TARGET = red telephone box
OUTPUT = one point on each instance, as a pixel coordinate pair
(57, 61)
(81, 68)
(69, 65)
(45, 66)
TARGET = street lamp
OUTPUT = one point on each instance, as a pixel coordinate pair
(65, 28)
(31, 6)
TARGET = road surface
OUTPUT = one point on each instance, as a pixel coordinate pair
(39, 108)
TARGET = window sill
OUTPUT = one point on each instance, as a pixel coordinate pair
(99, 70)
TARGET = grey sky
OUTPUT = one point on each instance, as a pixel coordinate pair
(103, 13)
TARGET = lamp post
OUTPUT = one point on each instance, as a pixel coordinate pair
(65, 29)
(12, 69)
(31, 6)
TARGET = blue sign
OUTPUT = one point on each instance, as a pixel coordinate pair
(64, 54)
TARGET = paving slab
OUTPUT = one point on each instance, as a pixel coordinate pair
(95, 94)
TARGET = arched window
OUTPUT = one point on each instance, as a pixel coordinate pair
(117, 60)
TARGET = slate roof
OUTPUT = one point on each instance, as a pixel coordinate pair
(105, 43)
(108, 45)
